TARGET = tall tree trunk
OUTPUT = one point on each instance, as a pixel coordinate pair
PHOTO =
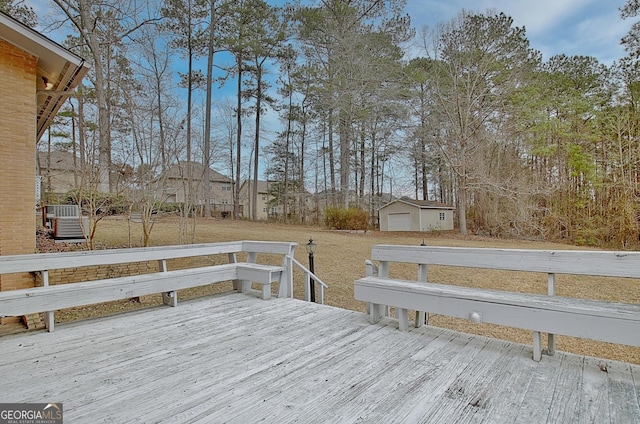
(303, 204)
(236, 197)
(344, 124)
(254, 215)
(372, 187)
(185, 236)
(163, 153)
(207, 125)
(285, 205)
(81, 136)
(462, 204)
(362, 162)
(423, 150)
(332, 161)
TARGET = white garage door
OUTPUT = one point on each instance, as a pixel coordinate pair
(399, 222)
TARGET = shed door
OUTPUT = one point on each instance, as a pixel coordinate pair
(399, 222)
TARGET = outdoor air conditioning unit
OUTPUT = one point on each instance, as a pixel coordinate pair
(54, 211)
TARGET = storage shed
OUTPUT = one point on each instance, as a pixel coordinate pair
(406, 214)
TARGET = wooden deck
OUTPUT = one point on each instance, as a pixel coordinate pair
(239, 359)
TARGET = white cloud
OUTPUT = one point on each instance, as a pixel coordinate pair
(584, 27)
(542, 16)
(602, 35)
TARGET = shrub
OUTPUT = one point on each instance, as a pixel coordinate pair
(98, 202)
(346, 219)
(167, 207)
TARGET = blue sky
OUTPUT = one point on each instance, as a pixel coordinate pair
(573, 27)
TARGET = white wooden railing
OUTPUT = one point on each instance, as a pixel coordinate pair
(307, 284)
(243, 274)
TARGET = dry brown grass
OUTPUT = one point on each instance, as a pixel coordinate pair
(340, 257)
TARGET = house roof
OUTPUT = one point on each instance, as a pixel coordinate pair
(59, 160)
(422, 204)
(263, 186)
(179, 172)
(57, 66)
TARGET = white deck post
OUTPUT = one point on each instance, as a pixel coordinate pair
(422, 316)
(537, 346)
(551, 338)
(232, 260)
(49, 319)
(403, 319)
(244, 286)
(374, 312)
(307, 288)
(288, 261)
(383, 271)
(285, 288)
(168, 298)
(370, 270)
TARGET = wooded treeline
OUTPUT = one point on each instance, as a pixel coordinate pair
(345, 98)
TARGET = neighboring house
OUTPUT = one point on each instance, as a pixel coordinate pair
(406, 214)
(37, 77)
(58, 171)
(266, 202)
(171, 187)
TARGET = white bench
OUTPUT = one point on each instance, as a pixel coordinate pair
(50, 298)
(591, 319)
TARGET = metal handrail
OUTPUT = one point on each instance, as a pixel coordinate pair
(307, 287)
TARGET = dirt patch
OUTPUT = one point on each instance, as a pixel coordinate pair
(339, 261)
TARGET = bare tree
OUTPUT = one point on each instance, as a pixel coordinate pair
(478, 62)
(101, 27)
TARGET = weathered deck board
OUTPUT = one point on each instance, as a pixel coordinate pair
(594, 402)
(238, 359)
(565, 406)
(623, 390)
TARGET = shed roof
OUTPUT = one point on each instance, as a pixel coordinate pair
(422, 204)
(58, 70)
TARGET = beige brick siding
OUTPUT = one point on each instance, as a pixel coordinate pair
(90, 273)
(17, 158)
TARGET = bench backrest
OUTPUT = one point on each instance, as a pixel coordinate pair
(580, 262)
(51, 261)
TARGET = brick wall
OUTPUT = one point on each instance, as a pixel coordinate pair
(90, 273)
(17, 158)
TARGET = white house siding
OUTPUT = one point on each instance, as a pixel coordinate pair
(431, 220)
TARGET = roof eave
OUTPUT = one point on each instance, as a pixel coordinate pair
(58, 70)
